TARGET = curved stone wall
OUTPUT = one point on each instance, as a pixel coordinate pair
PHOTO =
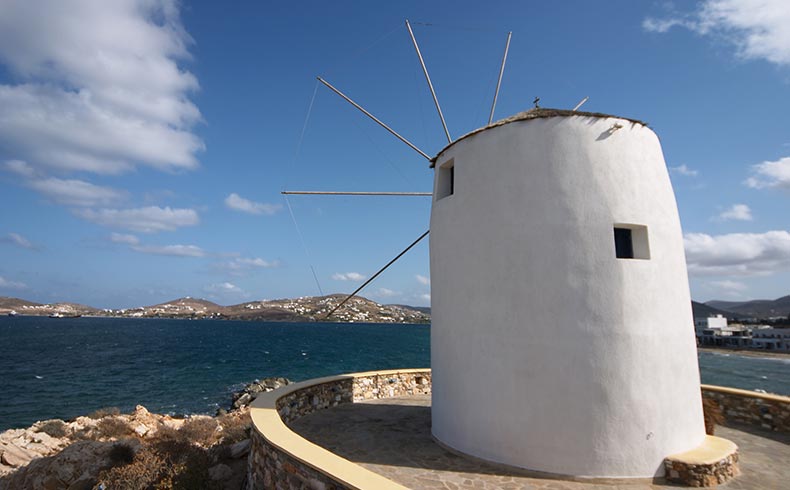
(281, 459)
(764, 410)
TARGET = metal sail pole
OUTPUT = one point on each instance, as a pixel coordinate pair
(499, 82)
(581, 103)
(351, 193)
(428, 79)
(338, 92)
(415, 242)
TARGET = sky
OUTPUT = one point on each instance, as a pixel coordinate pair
(144, 143)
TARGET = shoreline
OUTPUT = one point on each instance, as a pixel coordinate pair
(747, 352)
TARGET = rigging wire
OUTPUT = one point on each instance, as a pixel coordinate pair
(290, 210)
(374, 276)
(304, 245)
(362, 51)
(306, 120)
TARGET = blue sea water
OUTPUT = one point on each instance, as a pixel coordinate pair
(62, 368)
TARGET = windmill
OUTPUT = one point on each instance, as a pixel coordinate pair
(560, 337)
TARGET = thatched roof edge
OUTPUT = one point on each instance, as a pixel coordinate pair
(536, 113)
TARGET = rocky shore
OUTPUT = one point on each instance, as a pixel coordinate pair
(139, 450)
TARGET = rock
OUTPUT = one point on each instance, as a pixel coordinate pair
(220, 472)
(240, 449)
(243, 400)
(141, 430)
(83, 484)
(16, 456)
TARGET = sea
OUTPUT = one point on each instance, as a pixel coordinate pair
(66, 367)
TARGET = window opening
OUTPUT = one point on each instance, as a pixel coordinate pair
(445, 185)
(631, 241)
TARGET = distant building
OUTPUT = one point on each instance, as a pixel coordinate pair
(717, 321)
(715, 332)
(771, 339)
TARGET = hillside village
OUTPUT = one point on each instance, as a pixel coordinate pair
(303, 309)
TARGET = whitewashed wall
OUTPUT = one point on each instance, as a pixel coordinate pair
(548, 352)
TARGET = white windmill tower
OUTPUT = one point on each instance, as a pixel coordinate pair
(560, 336)
(561, 313)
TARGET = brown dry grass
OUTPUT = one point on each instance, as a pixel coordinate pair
(104, 412)
(235, 428)
(54, 428)
(113, 428)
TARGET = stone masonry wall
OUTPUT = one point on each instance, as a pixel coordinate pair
(272, 468)
(767, 412)
(702, 475)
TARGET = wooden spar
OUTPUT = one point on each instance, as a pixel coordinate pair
(338, 92)
(428, 79)
(501, 72)
(343, 193)
(415, 242)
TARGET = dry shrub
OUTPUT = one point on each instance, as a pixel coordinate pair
(713, 415)
(104, 412)
(145, 470)
(54, 428)
(201, 431)
(235, 428)
(121, 454)
(113, 428)
(163, 465)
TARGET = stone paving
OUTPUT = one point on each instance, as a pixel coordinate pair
(392, 437)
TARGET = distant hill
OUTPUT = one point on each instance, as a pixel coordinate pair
(310, 308)
(424, 309)
(24, 307)
(703, 310)
(8, 303)
(759, 308)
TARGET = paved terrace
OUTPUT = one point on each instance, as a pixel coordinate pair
(392, 437)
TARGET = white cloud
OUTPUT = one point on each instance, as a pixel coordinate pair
(18, 240)
(386, 293)
(145, 220)
(238, 203)
(426, 296)
(348, 276)
(771, 174)
(740, 212)
(757, 28)
(223, 287)
(6, 284)
(74, 192)
(663, 25)
(240, 266)
(683, 170)
(20, 168)
(426, 281)
(121, 238)
(95, 81)
(170, 250)
(729, 286)
(738, 254)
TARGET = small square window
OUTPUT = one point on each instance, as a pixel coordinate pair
(623, 243)
(631, 242)
(445, 185)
